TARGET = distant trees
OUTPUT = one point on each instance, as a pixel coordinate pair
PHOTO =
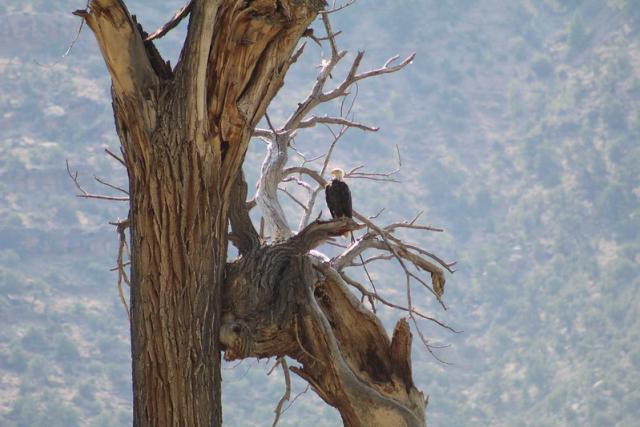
(542, 66)
(577, 34)
(630, 10)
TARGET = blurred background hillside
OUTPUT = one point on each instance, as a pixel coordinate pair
(519, 125)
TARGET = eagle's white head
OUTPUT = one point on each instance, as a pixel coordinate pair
(337, 173)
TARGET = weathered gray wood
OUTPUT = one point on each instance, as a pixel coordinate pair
(270, 177)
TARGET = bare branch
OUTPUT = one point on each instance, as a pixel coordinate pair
(376, 176)
(378, 297)
(311, 160)
(292, 197)
(172, 23)
(446, 265)
(377, 215)
(353, 77)
(335, 121)
(305, 171)
(270, 176)
(336, 139)
(86, 195)
(338, 8)
(71, 45)
(371, 296)
(400, 250)
(326, 68)
(273, 130)
(418, 215)
(320, 231)
(372, 259)
(320, 39)
(299, 182)
(121, 264)
(262, 133)
(387, 68)
(287, 391)
(306, 389)
(425, 342)
(395, 225)
(107, 184)
(330, 35)
(297, 53)
(106, 150)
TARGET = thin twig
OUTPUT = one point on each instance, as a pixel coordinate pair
(390, 304)
(338, 8)
(107, 184)
(297, 54)
(86, 195)
(115, 157)
(393, 226)
(372, 259)
(306, 389)
(123, 249)
(299, 182)
(287, 391)
(294, 198)
(377, 215)
(331, 36)
(314, 120)
(71, 45)
(394, 250)
(172, 23)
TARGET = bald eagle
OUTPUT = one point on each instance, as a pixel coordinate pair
(338, 196)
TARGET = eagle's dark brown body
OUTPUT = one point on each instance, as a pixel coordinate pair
(338, 198)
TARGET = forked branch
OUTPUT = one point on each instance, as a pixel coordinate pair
(86, 195)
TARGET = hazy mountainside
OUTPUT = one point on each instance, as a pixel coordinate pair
(519, 125)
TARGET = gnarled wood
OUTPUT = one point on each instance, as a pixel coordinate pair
(280, 301)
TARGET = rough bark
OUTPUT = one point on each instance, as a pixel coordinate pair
(184, 133)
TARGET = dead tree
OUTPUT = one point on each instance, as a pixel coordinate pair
(184, 132)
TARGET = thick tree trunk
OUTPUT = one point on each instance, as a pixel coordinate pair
(178, 225)
(178, 252)
(184, 134)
